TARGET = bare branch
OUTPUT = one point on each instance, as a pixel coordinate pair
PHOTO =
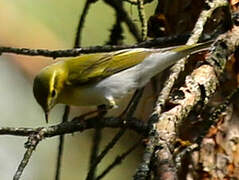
(142, 18)
(61, 144)
(94, 152)
(116, 35)
(162, 41)
(77, 125)
(135, 2)
(77, 42)
(117, 161)
(118, 8)
(31, 145)
(37, 134)
(98, 159)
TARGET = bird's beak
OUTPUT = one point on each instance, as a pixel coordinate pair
(46, 116)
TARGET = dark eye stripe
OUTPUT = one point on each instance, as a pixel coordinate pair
(53, 93)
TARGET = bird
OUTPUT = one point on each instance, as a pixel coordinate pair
(104, 78)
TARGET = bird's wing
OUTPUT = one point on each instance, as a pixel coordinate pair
(94, 67)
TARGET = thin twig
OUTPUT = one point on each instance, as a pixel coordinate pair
(77, 125)
(116, 35)
(15, 131)
(134, 103)
(94, 152)
(105, 151)
(162, 41)
(142, 18)
(31, 145)
(61, 144)
(135, 2)
(77, 42)
(117, 161)
(120, 10)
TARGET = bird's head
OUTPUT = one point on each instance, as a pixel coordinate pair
(47, 87)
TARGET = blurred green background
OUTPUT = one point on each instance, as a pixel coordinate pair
(51, 24)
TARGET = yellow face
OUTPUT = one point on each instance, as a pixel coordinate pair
(46, 88)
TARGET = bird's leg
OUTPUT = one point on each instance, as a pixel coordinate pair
(123, 114)
(102, 109)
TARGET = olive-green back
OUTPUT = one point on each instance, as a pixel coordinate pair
(94, 67)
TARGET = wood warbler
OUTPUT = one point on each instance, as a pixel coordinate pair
(103, 78)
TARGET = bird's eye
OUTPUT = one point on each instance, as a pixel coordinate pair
(53, 93)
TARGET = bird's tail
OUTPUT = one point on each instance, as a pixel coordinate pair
(191, 49)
